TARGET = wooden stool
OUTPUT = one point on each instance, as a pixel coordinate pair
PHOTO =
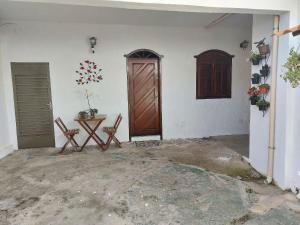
(111, 131)
(69, 134)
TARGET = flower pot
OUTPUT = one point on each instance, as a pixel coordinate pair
(255, 80)
(93, 112)
(255, 62)
(83, 115)
(263, 107)
(264, 72)
(264, 49)
(263, 90)
(253, 100)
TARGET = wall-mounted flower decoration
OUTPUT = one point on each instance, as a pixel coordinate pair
(88, 72)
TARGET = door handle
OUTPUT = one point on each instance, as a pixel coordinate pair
(50, 105)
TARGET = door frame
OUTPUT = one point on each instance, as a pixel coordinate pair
(158, 57)
(50, 103)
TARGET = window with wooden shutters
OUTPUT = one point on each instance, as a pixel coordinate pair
(213, 74)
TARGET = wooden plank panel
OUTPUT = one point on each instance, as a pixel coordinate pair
(32, 101)
(144, 97)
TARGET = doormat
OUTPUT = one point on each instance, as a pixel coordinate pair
(147, 144)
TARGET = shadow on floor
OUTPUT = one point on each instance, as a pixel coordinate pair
(238, 143)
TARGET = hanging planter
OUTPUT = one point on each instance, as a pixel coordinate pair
(264, 89)
(264, 49)
(292, 66)
(255, 62)
(255, 58)
(254, 100)
(255, 78)
(253, 95)
(265, 71)
(263, 105)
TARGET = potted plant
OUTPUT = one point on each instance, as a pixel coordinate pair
(292, 67)
(93, 112)
(83, 115)
(263, 48)
(255, 78)
(264, 89)
(265, 70)
(253, 95)
(263, 105)
(255, 58)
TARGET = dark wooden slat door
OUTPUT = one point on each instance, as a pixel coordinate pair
(144, 97)
(33, 105)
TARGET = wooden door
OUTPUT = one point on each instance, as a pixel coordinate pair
(144, 97)
(33, 105)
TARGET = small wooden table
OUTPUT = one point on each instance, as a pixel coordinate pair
(84, 122)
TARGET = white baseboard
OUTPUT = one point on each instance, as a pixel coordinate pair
(146, 138)
(5, 150)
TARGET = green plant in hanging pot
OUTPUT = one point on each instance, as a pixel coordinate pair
(264, 89)
(255, 78)
(253, 95)
(255, 58)
(265, 70)
(292, 66)
(263, 105)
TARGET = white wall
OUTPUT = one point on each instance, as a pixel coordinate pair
(4, 138)
(282, 113)
(259, 125)
(286, 162)
(65, 45)
(293, 130)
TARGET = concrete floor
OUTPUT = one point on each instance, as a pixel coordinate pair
(238, 143)
(186, 182)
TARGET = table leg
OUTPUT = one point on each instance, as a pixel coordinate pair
(87, 140)
(92, 134)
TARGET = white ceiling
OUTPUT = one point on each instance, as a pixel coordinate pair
(45, 12)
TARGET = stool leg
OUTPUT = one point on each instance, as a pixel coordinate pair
(64, 147)
(73, 142)
(118, 143)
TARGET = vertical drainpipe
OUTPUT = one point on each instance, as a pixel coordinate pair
(273, 102)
